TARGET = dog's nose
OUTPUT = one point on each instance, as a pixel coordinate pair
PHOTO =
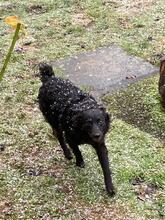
(97, 136)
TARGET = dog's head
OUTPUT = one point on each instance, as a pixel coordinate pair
(93, 124)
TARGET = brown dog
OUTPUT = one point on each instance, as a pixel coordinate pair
(162, 79)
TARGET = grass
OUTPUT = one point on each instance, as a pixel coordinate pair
(140, 105)
(35, 180)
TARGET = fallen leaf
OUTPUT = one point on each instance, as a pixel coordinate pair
(131, 77)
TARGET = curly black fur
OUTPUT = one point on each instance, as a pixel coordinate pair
(76, 118)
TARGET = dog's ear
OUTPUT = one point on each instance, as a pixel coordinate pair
(102, 109)
(106, 115)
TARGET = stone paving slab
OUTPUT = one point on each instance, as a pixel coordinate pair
(104, 70)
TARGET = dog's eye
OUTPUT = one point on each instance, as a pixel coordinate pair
(99, 121)
(89, 122)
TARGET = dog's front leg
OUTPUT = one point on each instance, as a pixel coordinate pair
(103, 158)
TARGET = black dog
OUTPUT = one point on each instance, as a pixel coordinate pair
(75, 118)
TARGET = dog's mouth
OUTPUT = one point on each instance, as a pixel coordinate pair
(97, 138)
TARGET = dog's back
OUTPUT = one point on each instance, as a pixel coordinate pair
(56, 94)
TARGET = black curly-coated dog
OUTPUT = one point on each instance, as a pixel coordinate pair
(75, 118)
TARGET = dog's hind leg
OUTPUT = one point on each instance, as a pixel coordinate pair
(60, 137)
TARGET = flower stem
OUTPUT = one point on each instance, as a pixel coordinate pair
(15, 37)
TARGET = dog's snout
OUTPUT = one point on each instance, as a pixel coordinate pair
(97, 135)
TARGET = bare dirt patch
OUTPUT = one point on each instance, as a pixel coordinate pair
(129, 7)
(103, 212)
(145, 192)
(81, 19)
(36, 9)
(5, 209)
(7, 6)
(159, 44)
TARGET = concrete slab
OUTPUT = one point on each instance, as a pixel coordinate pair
(104, 70)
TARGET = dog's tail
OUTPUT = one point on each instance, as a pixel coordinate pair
(45, 72)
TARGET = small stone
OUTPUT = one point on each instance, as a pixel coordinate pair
(28, 41)
(34, 172)
(2, 147)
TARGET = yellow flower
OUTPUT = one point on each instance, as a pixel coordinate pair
(13, 21)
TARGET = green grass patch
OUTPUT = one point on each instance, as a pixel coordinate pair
(36, 181)
(140, 104)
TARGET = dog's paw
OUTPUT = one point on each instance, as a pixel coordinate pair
(111, 192)
(68, 155)
(80, 164)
